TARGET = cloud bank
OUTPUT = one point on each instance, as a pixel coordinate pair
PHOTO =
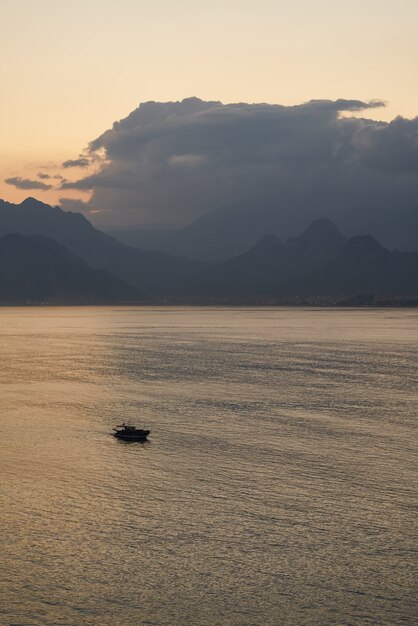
(169, 163)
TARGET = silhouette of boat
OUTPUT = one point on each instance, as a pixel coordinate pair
(130, 433)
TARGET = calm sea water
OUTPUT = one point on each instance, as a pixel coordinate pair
(277, 487)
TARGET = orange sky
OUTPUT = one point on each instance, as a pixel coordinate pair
(69, 69)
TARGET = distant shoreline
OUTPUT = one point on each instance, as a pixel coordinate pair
(401, 304)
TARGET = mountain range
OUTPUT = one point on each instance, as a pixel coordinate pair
(154, 273)
(58, 256)
(36, 270)
(229, 231)
(321, 262)
(215, 236)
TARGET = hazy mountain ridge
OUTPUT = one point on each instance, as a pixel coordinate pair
(229, 231)
(270, 265)
(321, 262)
(152, 272)
(364, 266)
(216, 236)
(40, 270)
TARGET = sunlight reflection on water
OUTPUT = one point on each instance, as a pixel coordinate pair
(277, 487)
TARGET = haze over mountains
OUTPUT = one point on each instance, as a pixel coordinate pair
(154, 273)
(49, 255)
(216, 236)
(39, 270)
(321, 262)
(228, 231)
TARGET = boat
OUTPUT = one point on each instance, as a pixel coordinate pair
(130, 433)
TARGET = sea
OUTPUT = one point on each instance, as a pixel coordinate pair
(278, 486)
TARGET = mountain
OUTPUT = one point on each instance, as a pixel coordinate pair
(216, 236)
(40, 270)
(152, 272)
(228, 231)
(270, 264)
(320, 262)
(317, 245)
(363, 266)
(396, 229)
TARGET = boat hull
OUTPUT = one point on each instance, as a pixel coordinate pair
(135, 437)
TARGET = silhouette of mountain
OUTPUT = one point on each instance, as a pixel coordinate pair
(262, 270)
(153, 272)
(317, 245)
(395, 229)
(363, 266)
(39, 270)
(318, 263)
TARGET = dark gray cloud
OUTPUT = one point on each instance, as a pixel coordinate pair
(171, 162)
(81, 162)
(27, 183)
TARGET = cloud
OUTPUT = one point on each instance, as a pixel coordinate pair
(75, 206)
(389, 147)
(172, 162)
(187, 160)
(81, 162)
(27, 183)
(45, 176)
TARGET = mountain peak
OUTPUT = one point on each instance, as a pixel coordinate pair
(323, 224)
(33, 204)
(32, 201)
(321, 241)
(361, 244)
(318, 231)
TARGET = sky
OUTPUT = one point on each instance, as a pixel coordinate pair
(70, 69)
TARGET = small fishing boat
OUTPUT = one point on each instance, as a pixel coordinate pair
(130, 433)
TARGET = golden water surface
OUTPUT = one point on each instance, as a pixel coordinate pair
(277, 486)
